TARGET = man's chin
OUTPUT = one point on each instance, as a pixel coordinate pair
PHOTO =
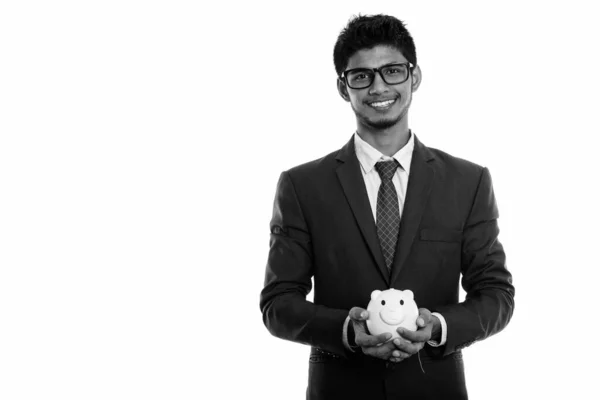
(380, 123)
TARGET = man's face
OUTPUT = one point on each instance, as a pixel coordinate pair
(372, 105)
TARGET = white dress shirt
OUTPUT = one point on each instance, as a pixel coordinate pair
(368, 156)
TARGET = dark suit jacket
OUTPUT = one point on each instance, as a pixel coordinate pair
(323, 228)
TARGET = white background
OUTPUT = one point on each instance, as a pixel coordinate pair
(140, 146)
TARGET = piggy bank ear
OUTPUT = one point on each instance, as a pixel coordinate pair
(375, 294)
(409, 294)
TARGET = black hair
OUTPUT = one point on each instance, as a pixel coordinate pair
(368, 31)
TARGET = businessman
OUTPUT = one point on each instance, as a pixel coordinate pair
(384, 211)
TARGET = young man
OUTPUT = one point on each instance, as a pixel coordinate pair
(383, 212)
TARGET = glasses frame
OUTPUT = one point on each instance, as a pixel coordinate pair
(344, 75)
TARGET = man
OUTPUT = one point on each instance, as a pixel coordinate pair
(383, 212)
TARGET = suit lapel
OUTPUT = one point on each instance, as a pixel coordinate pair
(417, 194)
(353, 184)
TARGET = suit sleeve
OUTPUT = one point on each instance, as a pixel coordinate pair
(489, 302)
(286, 312)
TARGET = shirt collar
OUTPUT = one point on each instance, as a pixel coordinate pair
(368, 156)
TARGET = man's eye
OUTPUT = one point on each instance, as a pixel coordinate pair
(361, 77)
(393, 71)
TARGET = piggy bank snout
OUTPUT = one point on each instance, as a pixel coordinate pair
(393, 309)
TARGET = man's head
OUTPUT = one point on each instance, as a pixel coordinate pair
(368, 31)
(379, 97)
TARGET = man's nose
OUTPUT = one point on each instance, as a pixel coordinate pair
(379, 85)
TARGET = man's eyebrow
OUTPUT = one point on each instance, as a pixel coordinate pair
(383, 65)
(392, 63)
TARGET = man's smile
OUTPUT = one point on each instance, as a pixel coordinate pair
(382, 104)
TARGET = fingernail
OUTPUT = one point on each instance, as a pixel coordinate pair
(397, 342)
(363, 314)
(420, 321)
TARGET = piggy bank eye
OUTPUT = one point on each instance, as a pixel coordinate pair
(383, 302)
(401, 302)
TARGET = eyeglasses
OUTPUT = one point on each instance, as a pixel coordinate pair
(361, 78)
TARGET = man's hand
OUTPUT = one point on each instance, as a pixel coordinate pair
(374, 346)
(410, 342)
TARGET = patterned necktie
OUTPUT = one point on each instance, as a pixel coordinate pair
(388, 211)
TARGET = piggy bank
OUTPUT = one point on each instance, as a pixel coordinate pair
(391, 309)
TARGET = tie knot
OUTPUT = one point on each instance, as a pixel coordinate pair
(386, 169)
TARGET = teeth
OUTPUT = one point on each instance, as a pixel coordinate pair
(382, 103)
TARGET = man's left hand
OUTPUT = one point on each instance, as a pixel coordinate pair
(409, 342)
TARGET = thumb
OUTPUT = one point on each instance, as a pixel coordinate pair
(424, 317)
(358, 314)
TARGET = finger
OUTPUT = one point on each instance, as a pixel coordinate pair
(400, 354)
(420, 335)
(365, 340)
(406, 347)
(396, 359)
(358, 314)
(424, 317)
(383, 352)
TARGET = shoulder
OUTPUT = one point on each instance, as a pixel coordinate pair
(309, 180)
(456, 166)
(315, 166)
(307, 177)
(322, 169)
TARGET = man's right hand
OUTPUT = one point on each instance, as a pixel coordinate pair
(374, 346)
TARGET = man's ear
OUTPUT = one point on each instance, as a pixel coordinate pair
(416, 78)
(343, 89)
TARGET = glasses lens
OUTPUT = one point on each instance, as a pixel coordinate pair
(394, 74)
(359, 78)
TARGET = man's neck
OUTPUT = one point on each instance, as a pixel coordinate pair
(387, 141)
